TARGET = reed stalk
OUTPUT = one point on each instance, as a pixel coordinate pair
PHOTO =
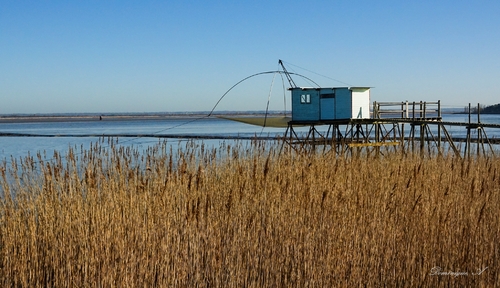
(245, 215)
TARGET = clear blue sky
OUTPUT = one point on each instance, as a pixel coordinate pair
(153, 56)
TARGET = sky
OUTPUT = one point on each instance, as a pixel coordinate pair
(170, 56)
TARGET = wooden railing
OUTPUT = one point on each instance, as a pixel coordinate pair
(407, 110)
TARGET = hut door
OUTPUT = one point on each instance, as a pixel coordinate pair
(327, 106)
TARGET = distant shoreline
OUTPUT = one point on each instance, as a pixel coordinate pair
(36, 119)
(120, 117)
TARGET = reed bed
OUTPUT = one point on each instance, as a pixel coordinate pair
(244, 215)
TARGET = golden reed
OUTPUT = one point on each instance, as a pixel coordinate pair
(244, 215)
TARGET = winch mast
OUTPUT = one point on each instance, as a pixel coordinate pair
(290, 80)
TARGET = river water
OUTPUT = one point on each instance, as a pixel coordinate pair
(12, 146)
(19, 147)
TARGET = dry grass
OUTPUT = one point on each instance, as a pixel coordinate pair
(246, 216)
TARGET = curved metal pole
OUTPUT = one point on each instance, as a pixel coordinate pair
(246, 78)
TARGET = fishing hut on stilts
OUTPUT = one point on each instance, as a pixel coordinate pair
(349, 127)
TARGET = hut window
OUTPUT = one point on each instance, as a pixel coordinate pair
(305, 99)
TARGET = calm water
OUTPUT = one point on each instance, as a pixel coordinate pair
(21, 146)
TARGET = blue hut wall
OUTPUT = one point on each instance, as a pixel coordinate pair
(305, 104)
(315, 104)
(343, 103)
(327, 103)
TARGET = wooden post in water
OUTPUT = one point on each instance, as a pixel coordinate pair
(439, 126)
(467, 141)
(478, 113)
(407, 109)
(422, 127)
(420, 111)
(412, 132)
(413, 111)
(403, 137)
(478, 129)
(313, 138)
(422, 137)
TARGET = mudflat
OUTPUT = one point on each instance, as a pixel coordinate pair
(77, 118)
(126, 116)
